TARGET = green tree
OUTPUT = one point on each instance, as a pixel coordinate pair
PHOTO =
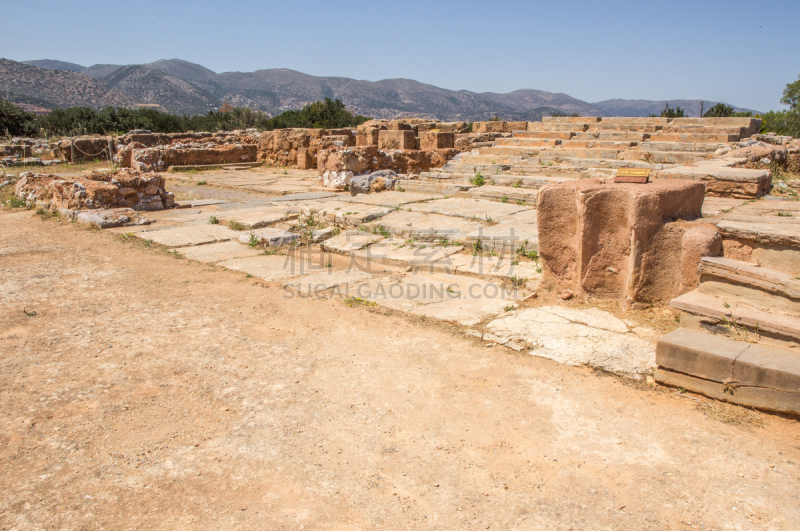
(720, 110)
(791, 95)
(14, 121)
(669, 112)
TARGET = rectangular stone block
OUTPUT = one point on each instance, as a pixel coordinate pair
(428, 141)
(773, 368)
(699, 354)
(616, 240)
(393, 140)
(760, 397)
(304, 159)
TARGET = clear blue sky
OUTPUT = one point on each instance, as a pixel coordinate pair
(741, 52)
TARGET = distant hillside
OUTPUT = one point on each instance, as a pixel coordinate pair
(56, 88)
(52, 64)
(183, 87)
(151, 86)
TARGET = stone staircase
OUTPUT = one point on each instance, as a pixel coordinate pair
(740, 329)
(561, 148)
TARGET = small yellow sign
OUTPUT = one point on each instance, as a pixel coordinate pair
(633, 175)
(633, 172)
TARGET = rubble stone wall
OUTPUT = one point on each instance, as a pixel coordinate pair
(100, 190)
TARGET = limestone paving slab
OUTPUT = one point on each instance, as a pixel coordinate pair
(269, 236)
(571, 338)
(468, 312)
(342, 213)
(195, 203)
(256, 218)
(349, 241)
(429, 227)
(337, 281)
(188, 235)
(468, 208)
(304, 196)
(391, 198)
(218, 252)
(272, 268)
(417, 255)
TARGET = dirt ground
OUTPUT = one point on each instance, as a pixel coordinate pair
(141, 391)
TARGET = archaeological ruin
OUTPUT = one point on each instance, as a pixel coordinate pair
(503, 214)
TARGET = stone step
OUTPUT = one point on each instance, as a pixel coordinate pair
(544, 135)
(701, 130)
(527, 142)
(505, 194)
(752, 322)
(588, 143)
(694, 138)
(618, 136)
(722, 181)
(571, 119)
(735, 280)
(622, 128)
(681, 146)
(538, 127)
(504, 179)
(447, 187)
(497, 151)
(655, 157)
(728, 370)
(777, 233)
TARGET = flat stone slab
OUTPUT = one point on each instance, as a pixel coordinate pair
(771, 233)
(218, 252)
(194, 203)
(479, 209)
(269, 236)
(509, 193)
(349, 241)
(417, 255)
(517, 230)
(578, 337)
(428, 227)
(188, 235)
(255, 218)
(452, 298)
(713, 206)
(467, 312)
(271, 268)
(331, 282)
(343, 213)
(391, 198)
(305, 196)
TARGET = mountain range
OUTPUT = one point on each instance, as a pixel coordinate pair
(182, 87)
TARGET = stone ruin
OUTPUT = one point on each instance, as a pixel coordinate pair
(102, 198)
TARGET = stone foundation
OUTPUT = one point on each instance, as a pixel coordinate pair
(100, 190)
(628, 242)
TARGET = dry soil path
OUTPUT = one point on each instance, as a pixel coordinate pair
(140, 391)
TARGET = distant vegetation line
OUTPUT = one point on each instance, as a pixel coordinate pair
(75, 121)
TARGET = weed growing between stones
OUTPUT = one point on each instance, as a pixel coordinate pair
(213, 220)
(202, 183)
(235, 225)
(478, 180)
(504, 199)
(253, 242)
(357, 301)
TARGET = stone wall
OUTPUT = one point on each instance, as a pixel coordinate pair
(366, 159)
(100, 190)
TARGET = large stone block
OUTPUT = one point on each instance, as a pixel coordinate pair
(437, 140)
(622, 241)
(391, 140)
